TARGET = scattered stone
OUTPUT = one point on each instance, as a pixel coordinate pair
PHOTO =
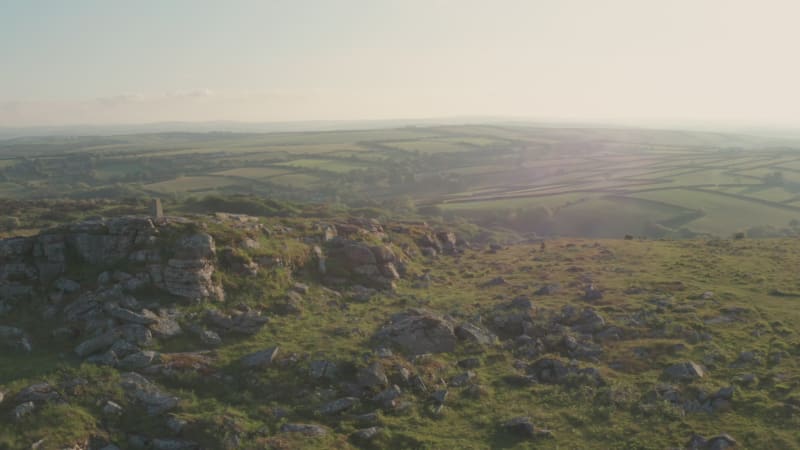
(300, 288)
(39, 393)
(320, 369)
(462, 379)
(372, 376)
(524, 427)
(112, 409)
(173, 444)
(147, 393)
(304, 428)
(473, 333)
(368, 419)
(260, 359)
(210, 338)
(338, 406)
(96, 344)
(469, 363)
(22, 410)
(548, 289)
(139, 360)
(387, 397)
(439, 396)
(687, 371)
(247, 323)
(592, 293)
(366, 435)
(176, 424)
(720, 442)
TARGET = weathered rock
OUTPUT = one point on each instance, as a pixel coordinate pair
(291, 304)
(210, 338)
(439, 397)
(14, 338)
(548, 289)
(473, 333)
(339, 405)
(387, 397)
(687, 371)
(462, 379)
(372, 376)
(304, 428)
(366, 435)
(260, 359)
(173, 444)
(524, 427)
(592, 293)
(96, 344)
(135, 334)
(22, 410)
(147, 393)
(138, 360)
(249, 322)
(320, 369)
(127, 315)
(176, 424)
(720, 442)
(112, 409)
(418, 331)
(165, 325)
(39, 393)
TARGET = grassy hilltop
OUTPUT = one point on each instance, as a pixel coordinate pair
(579, 336)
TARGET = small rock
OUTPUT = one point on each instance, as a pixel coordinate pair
(22, 410)
(439, 396)
(687, 371)
(469, 363)
(372, 376)
(462, 379)
(304, 428)
(366, 434)
(139, 360)
(210, 338)
(524, 427)
(112, 409)
(176, 424)
(338, 405)
(260, 359)
(300, 288)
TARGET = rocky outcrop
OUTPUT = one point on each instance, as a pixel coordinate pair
(31, 265)
(374, 266)
(188, 274)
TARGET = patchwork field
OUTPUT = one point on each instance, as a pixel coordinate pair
(596, 182)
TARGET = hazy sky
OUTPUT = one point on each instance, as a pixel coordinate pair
(106, 61)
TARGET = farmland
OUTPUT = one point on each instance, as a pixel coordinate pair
(592, 182)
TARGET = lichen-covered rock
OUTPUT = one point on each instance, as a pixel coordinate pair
(686, 371)
(260, 359)
(147, 393)
(189, 273)
(304, 428)
(418, 331)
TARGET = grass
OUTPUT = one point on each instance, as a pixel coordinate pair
(190, 184)
(724, 215)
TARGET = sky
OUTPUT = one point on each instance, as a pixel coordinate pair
(115, 62)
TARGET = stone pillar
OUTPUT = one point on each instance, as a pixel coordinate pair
(156, 211)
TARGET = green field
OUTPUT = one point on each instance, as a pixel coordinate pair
(735, 181)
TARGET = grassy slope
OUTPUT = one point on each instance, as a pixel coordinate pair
(740, 273)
